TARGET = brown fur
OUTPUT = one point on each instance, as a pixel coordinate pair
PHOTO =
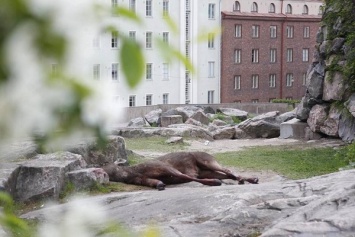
(174, 168)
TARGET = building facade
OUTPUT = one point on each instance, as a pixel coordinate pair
(164, 82)
(266, 48)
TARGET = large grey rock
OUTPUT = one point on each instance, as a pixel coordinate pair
(218, 122)
(185, 112)
(337, 45)
(347, 126)
(98, 155)
(237, 113)
(305, 106)
(331, 124)
(193, 122)
(319, 206)
(224, 133)
(350, 104)
(293, 128)
(138, 122)
(86, 178)
(201, 117)
(262, 126)
(171, 119)
(153, 117)
(334, 86)
(317, 117)
(315, 84)
(44, 176)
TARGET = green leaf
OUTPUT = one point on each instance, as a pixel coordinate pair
(126, 13)
(132, 61)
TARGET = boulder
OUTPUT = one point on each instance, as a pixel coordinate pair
(315, 84)
(350, 104)
(331, 124)
(171, 119)
(239, 133)
(347, 126)
(310, 135)
(96, 155)
(337, 45)
(44, 176)
(138, 122)
(185, 112)
(317, 117)
(218, 122)
(193, 122)
(209, 110)
(304, 107)
(86, 178)
(293, 128)
(201, 117)
(262, 126)
(240, 114)
(224, 133)
(153, 117)
(334, 86)
(175, 140)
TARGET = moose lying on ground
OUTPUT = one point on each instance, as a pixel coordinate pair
(175, 168)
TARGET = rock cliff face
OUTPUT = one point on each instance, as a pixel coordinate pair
(328, 105)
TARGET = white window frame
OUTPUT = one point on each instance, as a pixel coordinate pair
(289, 79)
(114, 71)
(149, 8)
(166, 98)
(96, 71)
(272, 80)
(114, 39)
(305, 55)
(306, 32)
(165, 8)
(255, 81)
(237, 79)
(238, 31)
(165, 71)
(211, 37)
(149, 40)
(305, 10)
(289, 31)
(132, 35)
(148, 99)
(132, 101)
(211, 11)
(272, 8)
(114, 3)
(273, 55)
(237, 56)
(288, 9)
(255, 31)
(210, 97)
(211, 69)
(273, 32)
(304, 78)
(255, 55)
(132, 5)
(236, 6)
(254, 7)
(289, 55)
(149, 71)
(166, 37)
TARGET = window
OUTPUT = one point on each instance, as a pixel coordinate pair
(165, 71)
(273, 32)
(132, 101)
(148, 8)
(165, 8)
(255, 81)
(305, 53)
(148, 71)
(237, 82)
(148, 40)
(132, 35)
(210, 95)
(272, 8)
(96, 71)
(255, 55)
(236, 6)
(272, 80)
(304, 78)
(255, 31)
(289, 31)
(306, 32)
(211, 11)
(210, 69)
(149, 99)
(238, 56)
(288, 9)
(114, 71)
(272, 55)
(132, 5)
(254, 101)
(114, 39)
(289, 79)
(238, 31)
(210, 40)
(165, 98)
(96, 42)
(289, 55)
(254, 7)
(305, 10)
(166, 37)
(114, 3)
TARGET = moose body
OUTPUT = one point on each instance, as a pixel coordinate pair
(174, 168)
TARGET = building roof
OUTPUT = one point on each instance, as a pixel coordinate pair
(268, 16)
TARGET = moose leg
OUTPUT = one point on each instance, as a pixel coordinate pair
(149, 182)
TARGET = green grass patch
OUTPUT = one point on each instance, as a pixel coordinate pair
(287, 161)
(153, 144)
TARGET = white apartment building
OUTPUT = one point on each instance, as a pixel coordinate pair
(169, 82)
(164, 82)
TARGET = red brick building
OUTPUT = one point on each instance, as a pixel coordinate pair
(265, 55)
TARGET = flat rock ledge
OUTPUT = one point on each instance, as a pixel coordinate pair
(319, 206)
